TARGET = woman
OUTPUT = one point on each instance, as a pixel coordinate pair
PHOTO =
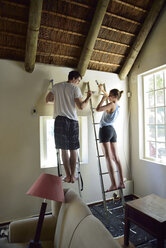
(108, 136)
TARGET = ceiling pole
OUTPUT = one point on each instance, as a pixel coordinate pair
(32, 34)
(137, 45)
(92, 36)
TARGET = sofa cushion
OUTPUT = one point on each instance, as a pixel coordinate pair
(55, 207)
(92, 233)
(21, 231)
(5, 244)
(72, 212)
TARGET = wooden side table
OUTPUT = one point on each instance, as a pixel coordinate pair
(149, 213)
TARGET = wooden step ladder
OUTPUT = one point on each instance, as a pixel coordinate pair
(59, 163)
(99, 156)
(78, 173)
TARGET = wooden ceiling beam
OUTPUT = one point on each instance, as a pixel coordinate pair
(92, 35)
(32, 34)
(141, 37)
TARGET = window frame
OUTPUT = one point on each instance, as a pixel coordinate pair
(142, 114)
(83, 137)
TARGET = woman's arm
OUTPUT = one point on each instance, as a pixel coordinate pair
(101, 107)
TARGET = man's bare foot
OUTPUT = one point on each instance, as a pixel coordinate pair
(113, 187)
(73, 179)
(67, 179)
(121, 186)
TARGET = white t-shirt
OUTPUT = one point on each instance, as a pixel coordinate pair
(64, 95)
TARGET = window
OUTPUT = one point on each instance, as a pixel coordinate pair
(48, 156)
(154, 115)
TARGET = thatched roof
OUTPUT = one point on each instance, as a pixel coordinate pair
(64, 28)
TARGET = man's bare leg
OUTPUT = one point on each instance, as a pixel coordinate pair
(66, 163)
(108, 157)
(73, 158)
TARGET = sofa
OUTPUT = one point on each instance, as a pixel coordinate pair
(70, 225)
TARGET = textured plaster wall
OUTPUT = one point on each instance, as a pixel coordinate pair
(148, 177)
(19, 135)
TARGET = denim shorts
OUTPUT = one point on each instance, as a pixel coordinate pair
(66, 133)
(107, 134)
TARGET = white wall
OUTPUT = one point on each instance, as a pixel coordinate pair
(19, 135)
(148, 177)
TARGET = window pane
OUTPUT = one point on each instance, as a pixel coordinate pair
(150, 149)
(150, 132)
(148, 83)
(160, 131)
(161, 151)
(160, 115)
(150, 116)
(160, 98)
(50, 145)
(149, 99)
(159, 80)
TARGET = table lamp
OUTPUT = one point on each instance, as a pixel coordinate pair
(49, 187)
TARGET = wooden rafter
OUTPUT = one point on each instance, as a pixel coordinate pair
(12, 48)
(117, 30)
(57, 43)
(113, 42)
(123, 18)
(77, 4)
(63, 31)
(104, 63)
(32, 34)
(130, 5)
(92, 35)
(107, 13)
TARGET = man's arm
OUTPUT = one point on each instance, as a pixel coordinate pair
(50, 97)
(82, 104)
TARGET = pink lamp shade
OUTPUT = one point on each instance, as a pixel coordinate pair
(49, 187)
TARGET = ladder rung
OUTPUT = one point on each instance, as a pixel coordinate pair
(77, 163)
(105, 192)
(96, 123)
(100, 156)
(104, 173)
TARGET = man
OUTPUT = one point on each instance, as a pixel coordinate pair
(66, 95)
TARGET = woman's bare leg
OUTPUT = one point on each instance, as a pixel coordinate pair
(108, 157)
(117, 161)
(66, 163)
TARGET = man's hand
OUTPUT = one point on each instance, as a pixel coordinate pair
(50, 98)
(89, 94)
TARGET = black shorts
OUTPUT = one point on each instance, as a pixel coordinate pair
(66, 133)
(107, 134)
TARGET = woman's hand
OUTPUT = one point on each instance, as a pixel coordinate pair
(101, 89)
(104, 98)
